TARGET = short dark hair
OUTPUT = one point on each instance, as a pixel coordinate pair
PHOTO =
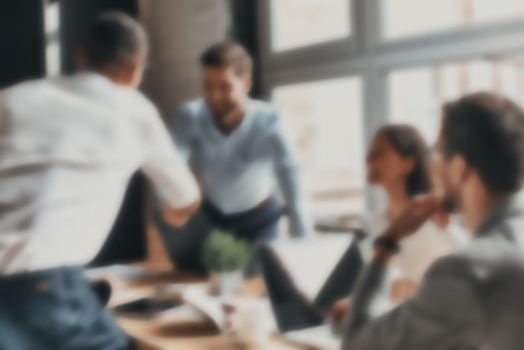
(113, 41)
(487, 130)
(228, 54)
(409, 143)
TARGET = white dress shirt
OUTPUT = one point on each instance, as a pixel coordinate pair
(240, 170)
(68, 147)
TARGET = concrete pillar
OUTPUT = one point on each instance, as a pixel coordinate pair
(179, 30)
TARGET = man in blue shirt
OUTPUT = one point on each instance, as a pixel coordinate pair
(240, 156)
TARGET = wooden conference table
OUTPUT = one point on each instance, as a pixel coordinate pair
(193, 332)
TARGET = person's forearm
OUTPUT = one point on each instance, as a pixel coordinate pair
(385, 247)
(292, 192)
(358, 330)
(298, 224)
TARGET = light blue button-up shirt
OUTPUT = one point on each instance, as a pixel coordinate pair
(240, 170)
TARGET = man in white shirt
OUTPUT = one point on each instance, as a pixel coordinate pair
(68, 147)
(239, 153)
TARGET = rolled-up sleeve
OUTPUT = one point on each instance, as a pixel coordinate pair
(166, 168)
(444, 312)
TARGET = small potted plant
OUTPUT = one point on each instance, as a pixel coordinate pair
(226, 258)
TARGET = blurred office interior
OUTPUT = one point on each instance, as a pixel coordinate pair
(336, 69)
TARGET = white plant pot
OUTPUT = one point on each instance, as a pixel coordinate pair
(226, 283)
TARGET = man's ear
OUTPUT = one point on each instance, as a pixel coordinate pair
(248, 84)
(409, 164)
(129, 75)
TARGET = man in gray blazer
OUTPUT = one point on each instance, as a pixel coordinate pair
(474, 298)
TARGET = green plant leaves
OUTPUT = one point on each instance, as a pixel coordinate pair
(223, 253)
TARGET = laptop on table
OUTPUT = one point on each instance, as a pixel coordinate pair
(301, 297)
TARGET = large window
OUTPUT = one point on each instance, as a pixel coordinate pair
(339, 69)
(52, 34)
(403, 18)
(325, 118)
(297, 23)
(417, 94)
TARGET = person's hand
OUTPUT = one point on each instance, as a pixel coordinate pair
(178, 217)
(173, 217)
(339, 310)
(416, 213)
(442, 218)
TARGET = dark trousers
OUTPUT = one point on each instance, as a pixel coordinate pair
(184, 245)
(55, 309)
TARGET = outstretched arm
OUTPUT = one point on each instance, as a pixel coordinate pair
(174, 184)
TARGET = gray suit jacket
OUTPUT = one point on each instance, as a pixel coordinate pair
(472, 299)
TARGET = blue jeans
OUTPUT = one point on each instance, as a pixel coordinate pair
(184, 244)
(55, 309)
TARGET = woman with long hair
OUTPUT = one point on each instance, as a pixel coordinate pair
(398, 163)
